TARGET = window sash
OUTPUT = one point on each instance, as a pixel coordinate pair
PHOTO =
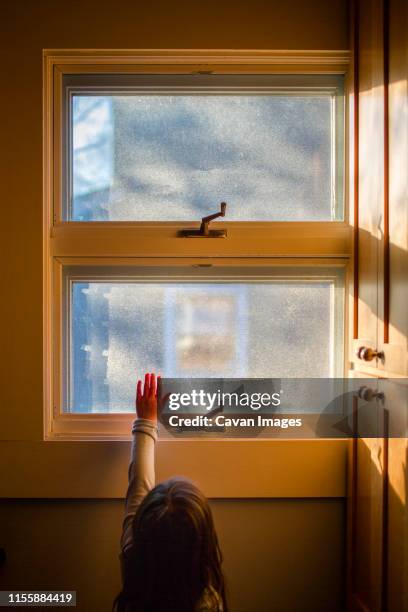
(157, 244)
(325, 239)
(327, 85)
(60, 424)
(249, 239)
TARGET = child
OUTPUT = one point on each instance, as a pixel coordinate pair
(171, 560)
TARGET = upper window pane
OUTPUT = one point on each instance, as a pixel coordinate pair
(171, 148)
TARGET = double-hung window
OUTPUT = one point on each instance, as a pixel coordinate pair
(139, 151)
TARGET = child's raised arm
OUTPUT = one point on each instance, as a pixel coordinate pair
(141, 468)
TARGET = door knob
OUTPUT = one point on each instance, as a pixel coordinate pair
(368, 354)
(367, 394)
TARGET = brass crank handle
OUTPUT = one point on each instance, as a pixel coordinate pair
(368, 354)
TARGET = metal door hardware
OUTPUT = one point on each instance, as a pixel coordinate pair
(368, 354)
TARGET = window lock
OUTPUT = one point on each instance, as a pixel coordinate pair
(204, 231)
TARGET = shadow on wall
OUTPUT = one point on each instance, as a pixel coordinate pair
(285, 554)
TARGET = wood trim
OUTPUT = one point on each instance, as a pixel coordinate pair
(173, 262)
(339, 58)
(385, 547)
(386, 254)
(353, 599)
(352, 509)
(292, 239)
(356, 86)
(48, 161)
(356, 605)
(372, 370)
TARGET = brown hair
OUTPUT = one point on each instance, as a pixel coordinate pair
(175, 558)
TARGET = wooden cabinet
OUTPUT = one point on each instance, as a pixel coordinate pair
(380, 196)
(378, 484)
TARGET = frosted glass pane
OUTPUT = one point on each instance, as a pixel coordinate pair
(176, 157)
(235, 330)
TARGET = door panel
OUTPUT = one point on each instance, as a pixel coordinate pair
(383, 186)
(397, 498)
(395, 350)
(378, 485)
(371, 175)
(367, 482)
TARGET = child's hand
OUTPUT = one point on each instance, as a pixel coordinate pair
(146, 402)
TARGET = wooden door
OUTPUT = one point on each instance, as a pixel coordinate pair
(367, 513)
(377, 518)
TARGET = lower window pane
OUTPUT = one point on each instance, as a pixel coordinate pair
(274, 328)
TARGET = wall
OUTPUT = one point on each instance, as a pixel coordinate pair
(291, 550)
(281, 555)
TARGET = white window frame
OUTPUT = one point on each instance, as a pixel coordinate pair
(143, 244)
(193, 84)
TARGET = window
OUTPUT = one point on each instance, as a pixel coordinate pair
(134, 155)
(223, 324)
(160, 148)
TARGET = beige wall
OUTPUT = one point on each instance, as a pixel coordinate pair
(288, 552)
(279, 555)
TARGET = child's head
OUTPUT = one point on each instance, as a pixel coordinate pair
(175, 555)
